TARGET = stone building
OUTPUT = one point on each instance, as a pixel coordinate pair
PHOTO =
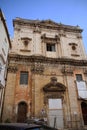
(5, 45)
(47, 74)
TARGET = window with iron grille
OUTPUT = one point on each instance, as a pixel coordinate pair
(23, 78)
(79, 77)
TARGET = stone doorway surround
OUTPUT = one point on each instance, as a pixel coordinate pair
(54, 91)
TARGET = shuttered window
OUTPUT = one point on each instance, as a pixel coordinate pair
(24, 78)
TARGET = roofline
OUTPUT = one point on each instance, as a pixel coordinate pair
(35, 23)
(3, 20)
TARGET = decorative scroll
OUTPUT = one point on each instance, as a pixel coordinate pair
(54, 86)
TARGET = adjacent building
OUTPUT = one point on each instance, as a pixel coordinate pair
(5, 44)
(47, 74)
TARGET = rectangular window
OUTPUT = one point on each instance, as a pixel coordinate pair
(24, 78)
(79, 77)
(50, 47)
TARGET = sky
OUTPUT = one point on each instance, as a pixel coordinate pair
(68, 12)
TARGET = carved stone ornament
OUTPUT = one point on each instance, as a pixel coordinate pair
(52, 95)
(67, 70)
(85, 71)
(54, 86)
(37, 30)
(26, 38)
(12, 69)
(42, 59)
(37, 68)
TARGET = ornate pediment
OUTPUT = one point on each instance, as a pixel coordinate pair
(54, 86)
(49, 22)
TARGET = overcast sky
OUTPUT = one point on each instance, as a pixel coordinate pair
(69, 12)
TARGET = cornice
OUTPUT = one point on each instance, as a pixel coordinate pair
(42, 59)
(47, 24)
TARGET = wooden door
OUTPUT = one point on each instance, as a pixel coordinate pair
(22, 112)
(84, 112)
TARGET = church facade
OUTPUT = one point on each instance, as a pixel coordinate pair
(47, 74)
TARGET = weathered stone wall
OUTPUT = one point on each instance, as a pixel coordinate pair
(8, 111)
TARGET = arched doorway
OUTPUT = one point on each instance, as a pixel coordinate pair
(53, 99)
(22, 112)
(84, 112)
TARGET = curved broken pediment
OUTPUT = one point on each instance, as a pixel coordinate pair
(54, 86)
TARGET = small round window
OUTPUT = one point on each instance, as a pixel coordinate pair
(73, 47)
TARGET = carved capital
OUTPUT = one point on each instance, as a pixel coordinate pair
(12, 69)
(37, 68)
(85, 72)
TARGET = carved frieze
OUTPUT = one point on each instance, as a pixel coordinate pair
(42, 59)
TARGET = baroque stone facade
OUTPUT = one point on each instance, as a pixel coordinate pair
(47, 69)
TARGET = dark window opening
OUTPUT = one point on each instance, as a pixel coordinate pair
(84, 112)
(24, 78)
(79, 77)
(50, 47)
(73, 47)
